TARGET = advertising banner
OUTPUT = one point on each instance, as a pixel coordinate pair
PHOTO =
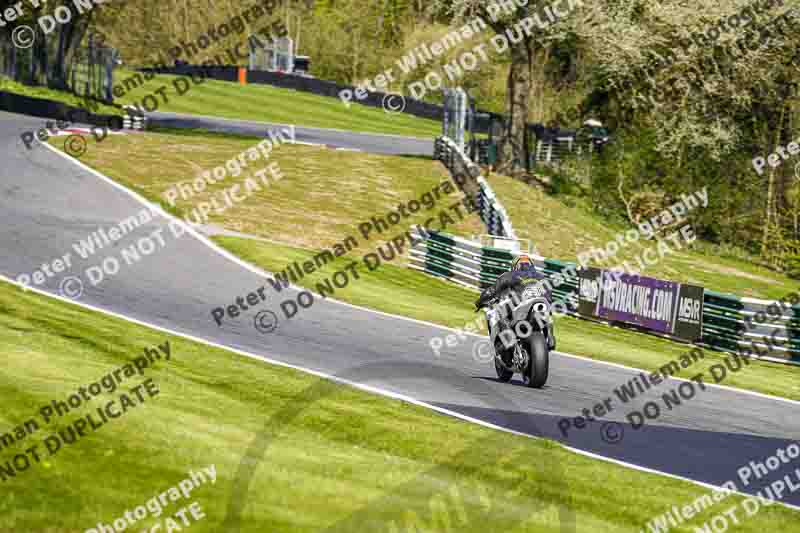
(665, 306)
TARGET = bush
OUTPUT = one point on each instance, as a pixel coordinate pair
(791, 264)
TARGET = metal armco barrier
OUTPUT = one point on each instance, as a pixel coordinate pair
(133, 119)
(492, 213)
(725, 315)
(459, 260)
(730, 323)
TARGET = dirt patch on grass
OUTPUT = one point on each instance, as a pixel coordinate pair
(736, 272)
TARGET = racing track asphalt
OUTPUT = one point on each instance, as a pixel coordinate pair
(48, 202)
(366, 142)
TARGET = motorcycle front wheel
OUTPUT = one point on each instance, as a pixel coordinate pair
(539, 365)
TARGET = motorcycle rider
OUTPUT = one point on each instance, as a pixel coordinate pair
(521, 274)
(514, 282)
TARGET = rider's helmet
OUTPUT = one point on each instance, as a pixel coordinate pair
(523, 262)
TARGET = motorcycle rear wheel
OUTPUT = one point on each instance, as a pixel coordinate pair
(539, 365)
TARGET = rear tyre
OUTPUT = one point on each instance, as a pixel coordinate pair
(539, 365)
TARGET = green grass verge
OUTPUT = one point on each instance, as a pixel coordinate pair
(335, 455)
(265, 103)
(260, 103)
(394, 288)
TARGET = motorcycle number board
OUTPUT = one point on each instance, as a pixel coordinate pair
(665, 306)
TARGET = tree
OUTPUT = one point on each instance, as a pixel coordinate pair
(54, 51)
(716, 81)
(530, 30)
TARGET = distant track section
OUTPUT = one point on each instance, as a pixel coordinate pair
(365, 142)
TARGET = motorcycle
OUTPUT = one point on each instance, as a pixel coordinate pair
(521, 332)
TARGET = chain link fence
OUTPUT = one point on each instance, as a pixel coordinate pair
(273, 55)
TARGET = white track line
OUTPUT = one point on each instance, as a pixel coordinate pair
(337, 379)
(263, 273)
(367, 388)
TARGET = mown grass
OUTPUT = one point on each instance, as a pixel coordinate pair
(323, 197)
(265, 103)
(260, 103)
(334, 457)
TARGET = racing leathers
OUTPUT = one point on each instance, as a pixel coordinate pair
(513, 283)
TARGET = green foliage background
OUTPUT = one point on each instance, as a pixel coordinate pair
(715, 112)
